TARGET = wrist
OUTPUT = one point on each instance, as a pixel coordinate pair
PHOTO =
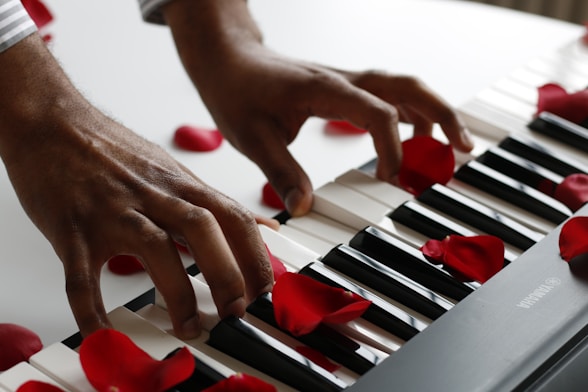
(210, 34)
(37, 97)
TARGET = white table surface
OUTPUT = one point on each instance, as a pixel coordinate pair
(130, 70)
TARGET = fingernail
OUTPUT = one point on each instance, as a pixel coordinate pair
(297, 203)
(191, 328)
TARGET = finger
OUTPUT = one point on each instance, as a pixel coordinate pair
(245, 257)
(156, 249)
(82, 285)
(421, 125)
(283, 172)
(409, 91)
(336, 98)
(242, 233)
(203, 235)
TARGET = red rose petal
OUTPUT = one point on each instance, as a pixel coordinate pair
(277, 266)
(585, 35)
(192, 138)
(573, 238)
(555, 99)
(125, 265)
(112, 362)
(476, 258)
(573, 191)
(342, 128)
(38, 12)
(425, 161)
(318, 358)
(301, 304)
(270, 198)
(17, 344)
(241, 382)
(38, 386)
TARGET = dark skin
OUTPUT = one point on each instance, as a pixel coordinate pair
(259, 99)
(96, 189)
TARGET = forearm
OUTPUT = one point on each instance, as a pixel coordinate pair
(211, 33)
(35, 94)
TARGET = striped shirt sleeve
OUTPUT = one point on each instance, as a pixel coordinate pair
(15, 23)
(151, 10)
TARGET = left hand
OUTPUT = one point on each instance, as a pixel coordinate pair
(260, 99)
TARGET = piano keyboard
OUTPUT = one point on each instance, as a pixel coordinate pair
(425, 330)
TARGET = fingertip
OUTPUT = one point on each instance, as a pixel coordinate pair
(236, 307)
(466, 140)
(298, 202)
(191, 328)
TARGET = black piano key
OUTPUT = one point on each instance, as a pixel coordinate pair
(480, 216)
(515, 192)
(203, 376)
(521, 169)
(385, 280)
(542, 155)
(241, 340)
(432, 224)
(325, 339)
(402, 257)
(381, 313)
(560, 129)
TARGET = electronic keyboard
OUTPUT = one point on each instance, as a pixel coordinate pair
(524, 329)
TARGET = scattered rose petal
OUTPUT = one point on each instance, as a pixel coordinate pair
(125, 265)
(277, 266)
(585, 35)
(425, 162)
(573, 191)
(197, 139)
(318, 358)
(476, 257)
(38, 386)
(555, 99)
(38, 12)
(241, 382)
(270, 197)
(17, 344)
(342, 128)
(573, 238)
(112, 362)
(302, 303)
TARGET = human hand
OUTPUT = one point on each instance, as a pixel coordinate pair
(95, 189)
(260, 99)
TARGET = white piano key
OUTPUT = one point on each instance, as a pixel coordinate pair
(507, 104)
(322, 227)
(497, 125)
(393, 197)
(373, 188)
(550, 64)
(310, 241)
(532, 221)
(17, 375)
(516, 89)
(358, 211)
(290, 252)
(63, 365)
(147, 329)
